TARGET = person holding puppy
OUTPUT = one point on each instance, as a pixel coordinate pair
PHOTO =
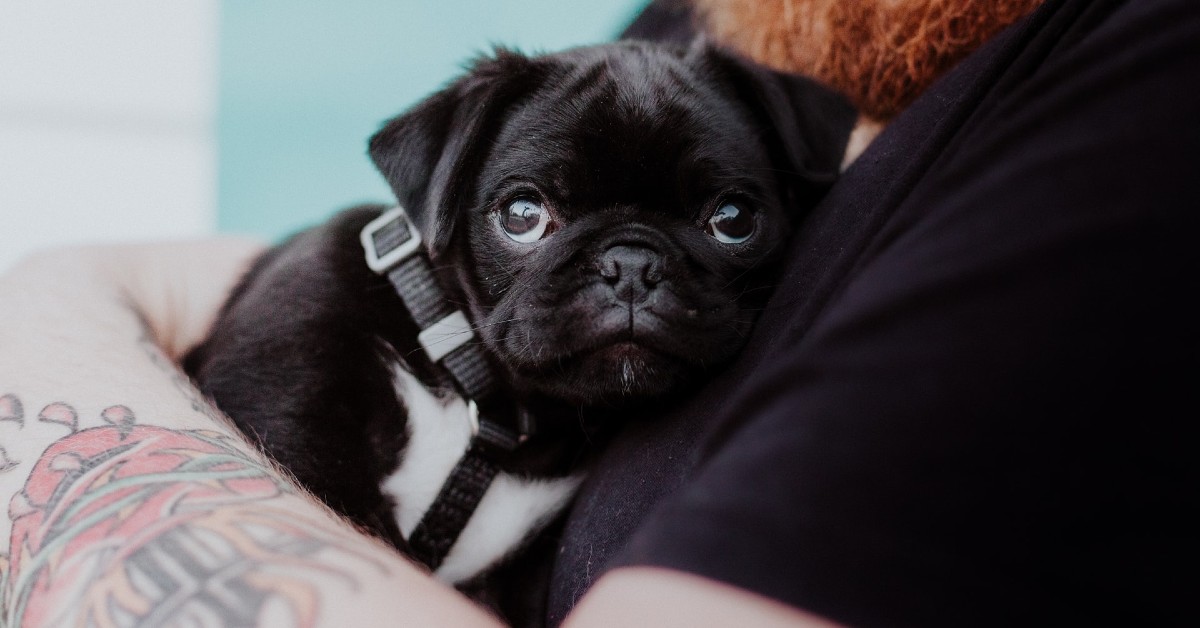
(966, 403)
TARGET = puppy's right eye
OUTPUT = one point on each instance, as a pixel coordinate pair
(731, 224)
(525, 221)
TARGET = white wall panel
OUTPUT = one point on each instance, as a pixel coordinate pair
(107, 121)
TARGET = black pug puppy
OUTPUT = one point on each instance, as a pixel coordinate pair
(607, 220)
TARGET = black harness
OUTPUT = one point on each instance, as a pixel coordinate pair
(393, 248)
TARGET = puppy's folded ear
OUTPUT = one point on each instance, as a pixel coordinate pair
(430, 154)
(806, 125)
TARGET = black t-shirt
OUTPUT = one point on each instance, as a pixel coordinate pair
(970, 400)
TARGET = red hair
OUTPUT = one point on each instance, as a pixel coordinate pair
(880, 53)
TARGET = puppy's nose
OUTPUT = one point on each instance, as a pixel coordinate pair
(632, 271)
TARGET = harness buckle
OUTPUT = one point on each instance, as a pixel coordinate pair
(490, 434)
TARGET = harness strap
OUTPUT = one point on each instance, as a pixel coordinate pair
(460, 495)
(393, 248)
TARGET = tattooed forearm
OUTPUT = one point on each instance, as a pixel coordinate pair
(134, 525)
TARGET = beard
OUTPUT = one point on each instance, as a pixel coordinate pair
(881, 54)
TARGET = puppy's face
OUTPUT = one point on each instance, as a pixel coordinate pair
(611, 213)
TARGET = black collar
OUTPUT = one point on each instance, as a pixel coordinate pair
(498, 426)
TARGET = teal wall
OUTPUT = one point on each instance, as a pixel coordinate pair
(304, 84)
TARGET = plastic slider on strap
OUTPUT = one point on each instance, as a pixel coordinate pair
(446, 335)
(390, 239)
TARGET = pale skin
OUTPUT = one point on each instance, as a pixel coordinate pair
(131, 499)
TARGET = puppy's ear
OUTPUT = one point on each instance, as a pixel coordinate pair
(430, 154)
(807, 126)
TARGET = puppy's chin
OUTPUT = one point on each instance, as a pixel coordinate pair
(611, 375)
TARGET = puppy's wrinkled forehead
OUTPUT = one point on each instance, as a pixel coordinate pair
(627, 127)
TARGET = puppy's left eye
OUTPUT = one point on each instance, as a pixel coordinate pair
(731, 224)
(525, 221)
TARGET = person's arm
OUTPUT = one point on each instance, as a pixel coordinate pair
(131, 499)
(654, 596)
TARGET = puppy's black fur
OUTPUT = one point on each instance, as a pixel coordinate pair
(630, 148)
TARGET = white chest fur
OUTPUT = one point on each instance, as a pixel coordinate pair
(512, 508)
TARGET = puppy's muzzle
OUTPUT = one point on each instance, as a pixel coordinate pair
(633, 271)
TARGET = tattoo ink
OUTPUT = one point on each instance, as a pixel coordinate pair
(6, 463)
(61, 414)
(129, 524)
(12, 410)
